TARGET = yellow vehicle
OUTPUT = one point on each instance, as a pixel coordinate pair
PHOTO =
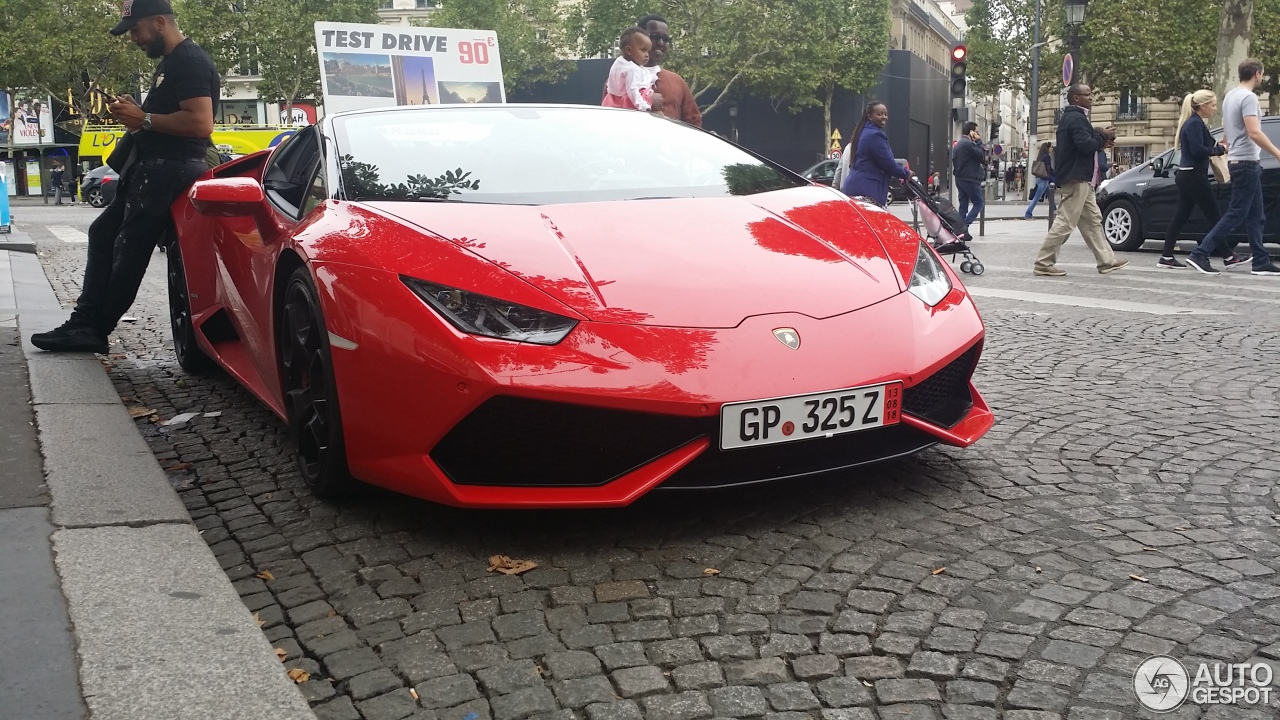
(97, 141)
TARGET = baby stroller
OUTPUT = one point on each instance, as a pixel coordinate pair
(944, 227)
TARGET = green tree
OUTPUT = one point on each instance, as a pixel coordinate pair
(594, 26)
(277, 35)
(999, 42)
(718, 46)
(1161, 50)
(531, 35)
(51, 45)
(828, 44)
(1265, 45)
(221, 27)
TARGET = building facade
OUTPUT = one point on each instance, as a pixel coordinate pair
(404, 12)
(1144, 127)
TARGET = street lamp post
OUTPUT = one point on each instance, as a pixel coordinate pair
(1075, 19)
(1033, 123)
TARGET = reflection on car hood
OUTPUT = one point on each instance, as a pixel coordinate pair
(679, 262)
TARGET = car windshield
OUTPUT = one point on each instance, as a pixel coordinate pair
(538, 155)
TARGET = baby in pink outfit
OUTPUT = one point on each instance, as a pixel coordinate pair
(630, 83)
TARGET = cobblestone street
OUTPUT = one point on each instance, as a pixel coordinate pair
(1124, 505)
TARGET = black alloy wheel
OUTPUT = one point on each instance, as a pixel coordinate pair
(1122, 226)
(190, 357)
(310, 395)
(95, 198)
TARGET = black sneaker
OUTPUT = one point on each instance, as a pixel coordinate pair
(1171, 263)
(1268, 269)
(1234, 260)
(71, 337)
(1202, 264)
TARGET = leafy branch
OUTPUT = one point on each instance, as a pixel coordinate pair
(365, 182)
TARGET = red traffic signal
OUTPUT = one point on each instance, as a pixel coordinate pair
(959, 66)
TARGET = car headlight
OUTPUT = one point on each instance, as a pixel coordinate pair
(929, 281)
(477, 314)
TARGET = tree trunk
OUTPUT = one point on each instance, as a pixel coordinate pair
(1233, 47)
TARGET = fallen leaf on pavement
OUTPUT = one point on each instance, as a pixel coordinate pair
(711, 571)
(259, 620)
(266, 575)
(1139, 578)
(940, 570)
(282, 654)
(138, 411)
(299, 675)
(178, 467)
(508, 566)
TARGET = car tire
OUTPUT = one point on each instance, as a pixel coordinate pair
(310, 394)
(190, 357)
(1122, 227)
(95, 199)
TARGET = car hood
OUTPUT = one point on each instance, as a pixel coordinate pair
(706, 262)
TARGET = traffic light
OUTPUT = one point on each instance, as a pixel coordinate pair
(959, 64)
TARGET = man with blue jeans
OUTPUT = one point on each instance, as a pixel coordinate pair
(968, 164)
(1245, 142)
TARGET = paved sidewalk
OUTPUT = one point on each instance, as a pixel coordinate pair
(155, 628)
(38, 676)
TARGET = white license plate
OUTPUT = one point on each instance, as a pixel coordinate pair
(767, 422)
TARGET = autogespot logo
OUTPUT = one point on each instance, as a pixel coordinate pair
(1161, 683)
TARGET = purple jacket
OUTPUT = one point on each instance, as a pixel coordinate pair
(872, 166)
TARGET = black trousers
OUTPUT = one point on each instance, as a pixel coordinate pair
(1194, 191)
(123, 237)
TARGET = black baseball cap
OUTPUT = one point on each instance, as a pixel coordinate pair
(131, 11)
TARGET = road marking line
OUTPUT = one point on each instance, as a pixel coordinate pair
(68, 234)
(1251, 283)
(1087, 302)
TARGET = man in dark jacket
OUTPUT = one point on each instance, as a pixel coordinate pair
(1077, 173)
(967, 162)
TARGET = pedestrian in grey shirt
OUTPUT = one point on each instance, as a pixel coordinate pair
(1245, 142)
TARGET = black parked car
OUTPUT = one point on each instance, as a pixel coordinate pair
(98, 186)
(825, 171)
(1138, 204)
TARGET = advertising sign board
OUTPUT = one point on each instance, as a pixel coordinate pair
(98, 140)
(368, 66)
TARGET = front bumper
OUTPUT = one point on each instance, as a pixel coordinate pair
(615, 411)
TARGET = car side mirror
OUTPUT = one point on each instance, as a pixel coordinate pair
(232, 198)
(227, 197)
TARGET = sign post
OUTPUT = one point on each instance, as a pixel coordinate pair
(369, 66)
(4, 203)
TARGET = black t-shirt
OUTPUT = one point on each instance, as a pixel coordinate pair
(187, 72)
